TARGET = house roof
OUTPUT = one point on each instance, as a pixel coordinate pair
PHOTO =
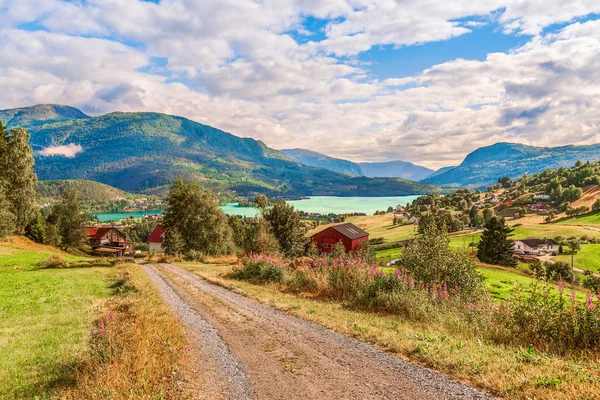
(538, 242)
(100, 232)
(156, 235)
(349, 230)
(91, 231)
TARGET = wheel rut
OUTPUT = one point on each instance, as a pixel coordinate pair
(274, 355)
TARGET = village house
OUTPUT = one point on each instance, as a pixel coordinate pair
(155, 240)
(541, 196)
(536, 246)
(109, 241)
(350, 235)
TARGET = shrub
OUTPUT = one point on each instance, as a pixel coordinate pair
(260, 269)
(54, 261)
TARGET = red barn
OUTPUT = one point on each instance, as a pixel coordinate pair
(349, 234)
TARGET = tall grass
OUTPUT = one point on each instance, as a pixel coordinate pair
(136, 348)
(537, 315)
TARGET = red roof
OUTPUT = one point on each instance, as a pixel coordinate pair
(100, 232)
(156, 235)
(91, 231)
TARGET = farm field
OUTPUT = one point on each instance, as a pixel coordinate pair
(588, 258)
(587, 219)
(382, 226)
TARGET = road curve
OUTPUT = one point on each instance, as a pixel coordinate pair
(260, 352)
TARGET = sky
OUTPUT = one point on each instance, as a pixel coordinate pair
(425, 81)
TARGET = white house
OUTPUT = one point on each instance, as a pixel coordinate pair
(541, 196)
(536, 246)
(155, 240)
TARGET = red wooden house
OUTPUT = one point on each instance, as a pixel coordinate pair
(109, 241)
(349, 234)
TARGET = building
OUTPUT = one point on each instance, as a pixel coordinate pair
(536, 246)
(155, 240)
(541, 196)
(109, 241)
(349, 234)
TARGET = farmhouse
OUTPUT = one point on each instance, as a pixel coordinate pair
(109, 241)
(536, 246)
(349, 234)
(541, 196)
(155, 240)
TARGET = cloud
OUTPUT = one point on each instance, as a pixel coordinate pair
(69, 150)
(234, 65)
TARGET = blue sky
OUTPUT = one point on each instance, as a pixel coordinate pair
(367, 80)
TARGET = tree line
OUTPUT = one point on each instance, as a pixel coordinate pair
(62, 224)
(194, 225)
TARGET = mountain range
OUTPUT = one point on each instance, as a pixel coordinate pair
(146, 152)
(389, 169)
(484, 166)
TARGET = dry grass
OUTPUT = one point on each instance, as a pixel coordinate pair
(505, 371)
(137, 347)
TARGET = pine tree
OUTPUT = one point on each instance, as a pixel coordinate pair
(69, 219)
(16, 164)
(36, 230)
(495, 247)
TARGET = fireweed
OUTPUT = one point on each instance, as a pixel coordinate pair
(550, 320)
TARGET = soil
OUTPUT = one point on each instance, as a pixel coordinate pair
(250, 350)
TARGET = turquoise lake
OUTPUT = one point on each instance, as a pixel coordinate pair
(316, 204)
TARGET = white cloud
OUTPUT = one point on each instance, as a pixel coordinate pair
(69, 150)
(230, 64)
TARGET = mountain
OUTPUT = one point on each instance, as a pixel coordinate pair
(146, 152)
(314, 159)
(401, 169)
(390, 169)
(440, 171)
(484, 166)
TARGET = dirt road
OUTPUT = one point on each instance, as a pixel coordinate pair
(249, 350)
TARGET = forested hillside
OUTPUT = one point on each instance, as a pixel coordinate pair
(148, 151)
(486, 165)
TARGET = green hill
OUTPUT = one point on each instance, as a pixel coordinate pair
(486, 165)
(147, 151)
(87, 190)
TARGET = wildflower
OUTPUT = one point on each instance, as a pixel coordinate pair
(561, 285)
(573, 296)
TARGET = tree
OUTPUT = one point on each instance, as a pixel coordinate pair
(7, 218)
(36, 230)
(505, 182)
(495, 247)
(173, 242)
(16, 164)
(574, 245)
(69, 219)
(431, 261)
(488, 214)
(596, 205)
(194, 214)
(284, 222)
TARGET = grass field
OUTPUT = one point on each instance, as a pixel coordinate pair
(382, 226)
(588, 219)
(588, 258)
(45, 320)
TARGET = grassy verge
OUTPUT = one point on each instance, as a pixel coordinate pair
(45, 321)
(506, 371)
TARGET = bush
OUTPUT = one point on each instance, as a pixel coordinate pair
(553, 271)
(259, 269)
(54, 261)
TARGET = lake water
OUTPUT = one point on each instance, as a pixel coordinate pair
(316, 204)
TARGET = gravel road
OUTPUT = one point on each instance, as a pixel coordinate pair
(267, 354)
